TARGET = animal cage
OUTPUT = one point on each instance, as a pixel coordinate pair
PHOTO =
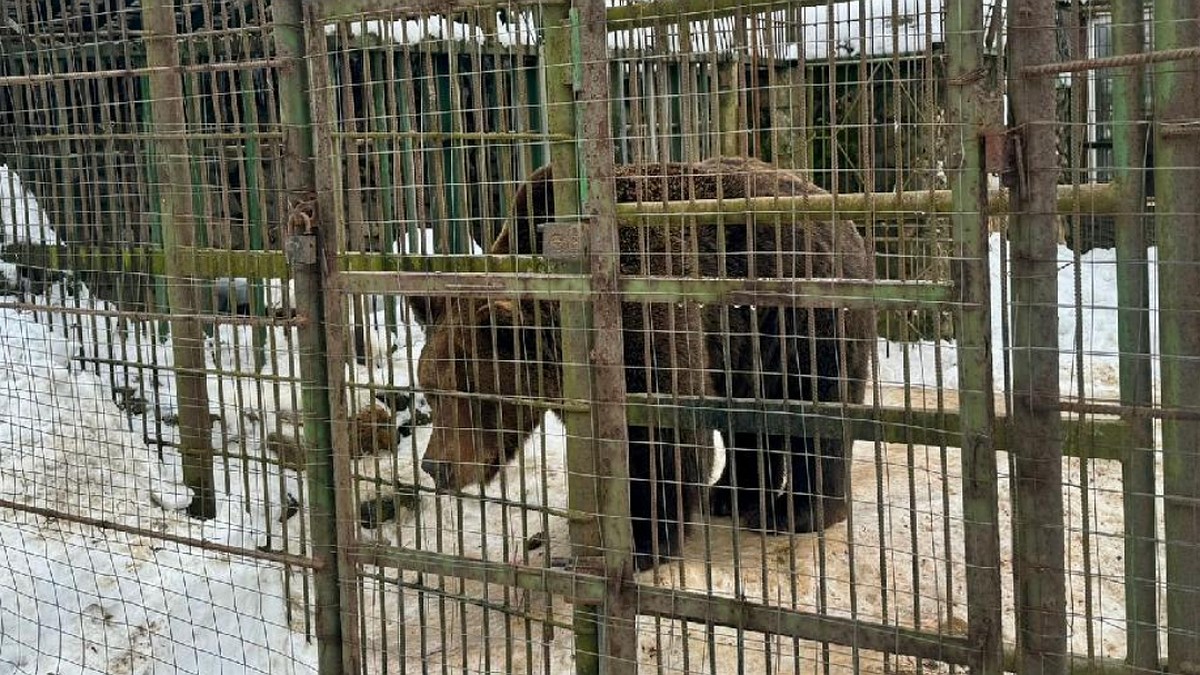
(540, 336)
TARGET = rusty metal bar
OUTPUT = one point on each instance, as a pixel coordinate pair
(1177, 217)
(1093, 438)
(159, 535)
(1038, 557)
(618, 629)
(1081, 65)
(590, 589)
(824, 628)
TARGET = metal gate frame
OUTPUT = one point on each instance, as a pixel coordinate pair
(605, 598)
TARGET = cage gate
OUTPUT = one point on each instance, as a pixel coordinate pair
(541, 429)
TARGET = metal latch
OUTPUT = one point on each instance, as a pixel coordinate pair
(301, 249)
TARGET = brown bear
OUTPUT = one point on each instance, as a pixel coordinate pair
(490, 367)
(782, 483)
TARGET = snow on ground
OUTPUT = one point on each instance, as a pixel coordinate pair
(76, 598)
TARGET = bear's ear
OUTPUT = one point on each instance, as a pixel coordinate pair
(501, 315)
(427, 310)
(497, 313)
(533, 205)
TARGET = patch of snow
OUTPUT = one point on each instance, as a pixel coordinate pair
(21, 218)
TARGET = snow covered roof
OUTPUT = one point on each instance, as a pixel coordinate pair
(845, 29)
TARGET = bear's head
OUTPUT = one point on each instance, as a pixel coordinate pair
(481, 375)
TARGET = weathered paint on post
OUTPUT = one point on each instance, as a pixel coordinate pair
(1133, 340)
(296, 117)
(1038, 565)
(582, 485)
(618, 643)
(1177, 216)
(178, 231)
(981, 528)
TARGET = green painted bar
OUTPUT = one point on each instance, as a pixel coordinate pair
(567, 287)
(1133, 341)
(981, 527)
(254, 214)
(335, 620)
(1098, 198)
(1105, 439)
(212, 263)
(399, 9)
(1176, 89)
(575, 324)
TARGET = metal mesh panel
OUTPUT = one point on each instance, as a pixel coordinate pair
(127, 353)
(538, 336)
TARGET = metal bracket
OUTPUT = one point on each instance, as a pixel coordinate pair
(563, 241)
(1014, 176)
(301, 249)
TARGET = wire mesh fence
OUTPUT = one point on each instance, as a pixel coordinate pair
(537, 336)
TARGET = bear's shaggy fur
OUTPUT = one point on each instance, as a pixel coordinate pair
(488, 369)
(783, 483)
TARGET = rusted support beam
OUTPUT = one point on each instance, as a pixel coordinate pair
(618, 635)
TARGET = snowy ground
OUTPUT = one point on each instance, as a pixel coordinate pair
(81, 599)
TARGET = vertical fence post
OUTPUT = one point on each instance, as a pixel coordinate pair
(178, 233)
(1133, 339)
(618, 643)
(981, 528)
(1037, 482)
(1177, 214)
(307, 255)
(575, 323)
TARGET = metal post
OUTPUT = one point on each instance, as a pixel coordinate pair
(619, 627)
(981, 529)
(1037, 481)
(1133, 339)
(178, 231)
(303, 229)
(575, 324)
(1177, 215)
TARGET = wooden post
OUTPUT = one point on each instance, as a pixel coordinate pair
(178, 230)
(1038, 565)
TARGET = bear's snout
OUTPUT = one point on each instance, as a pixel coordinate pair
(439, 471)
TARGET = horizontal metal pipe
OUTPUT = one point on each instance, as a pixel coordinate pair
(566, 287)
(156, 535)
(1082, 65)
